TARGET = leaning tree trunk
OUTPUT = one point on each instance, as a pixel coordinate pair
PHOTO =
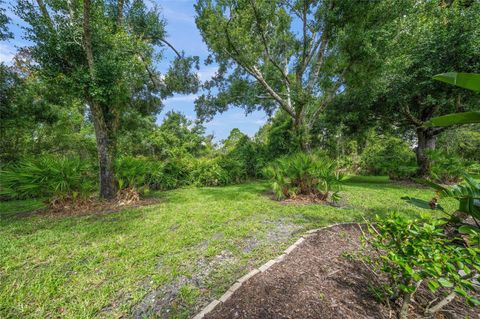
(426, 141)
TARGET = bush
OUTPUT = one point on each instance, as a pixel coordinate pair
(53, 177)
(304, 174)
(388, 155)
(414, 252)
(139, 173)
(208, 172)
(446, 168)
(176, 172)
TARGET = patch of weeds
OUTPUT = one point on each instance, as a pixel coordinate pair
(188, 294)
(348, 255)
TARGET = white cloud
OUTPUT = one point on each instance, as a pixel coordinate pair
(238, 118)
(207, 73)
(171, 14)
(182, 98)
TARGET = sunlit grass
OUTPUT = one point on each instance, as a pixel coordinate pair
(102, 265)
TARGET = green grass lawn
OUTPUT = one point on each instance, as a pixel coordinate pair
(187, 250)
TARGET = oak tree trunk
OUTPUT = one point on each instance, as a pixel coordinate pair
(105, 143)
(106, 154)
(426, 141)
(301, 133)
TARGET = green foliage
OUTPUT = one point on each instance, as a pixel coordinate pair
(388, 155)
(106, 59)
(462, 141)
(455, 119)
(138, 173)
(176, 172)
(469, 81)
(412, 251)
(178, 136)
(38, 252)
(304, 174)
(51, 177)
(4, 20)
(266, 63)
(208, 172)
(446, 168)
(467, 194)
(241, 157)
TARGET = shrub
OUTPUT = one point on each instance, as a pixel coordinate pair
(412, 252)
(138, 173)
(176, 172)
(208, 172)
(235, 168)
(388, 155)
(446, 168)
(53, 177)
(304, 174)
(467, 194)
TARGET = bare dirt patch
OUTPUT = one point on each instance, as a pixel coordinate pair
(163, 301)
(320, 279)
(302, 199)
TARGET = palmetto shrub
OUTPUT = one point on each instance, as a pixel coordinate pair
(138, 173)
(48, 176)
(304, 174)
(446, 168)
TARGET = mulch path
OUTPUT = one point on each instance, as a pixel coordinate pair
(320, 279)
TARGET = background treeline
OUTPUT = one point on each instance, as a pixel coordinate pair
(78, 107)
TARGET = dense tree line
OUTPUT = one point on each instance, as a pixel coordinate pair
(349, 79)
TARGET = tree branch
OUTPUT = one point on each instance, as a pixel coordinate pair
(328, 98)
(265, 44)
(255, 72)
(171, 47)
(45, 14)
(119, 12)
(258, 75)
(318, 62)
(410, 117)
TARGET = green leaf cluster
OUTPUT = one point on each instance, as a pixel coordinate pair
(305, 174)
(416, 251)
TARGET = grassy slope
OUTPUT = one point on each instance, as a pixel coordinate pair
(75, 267)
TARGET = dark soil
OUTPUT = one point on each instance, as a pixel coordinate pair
(322, 278)
(302, 199)
(90, 206)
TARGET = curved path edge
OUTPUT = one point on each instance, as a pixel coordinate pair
(238, 283)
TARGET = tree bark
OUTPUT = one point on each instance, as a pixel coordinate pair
(426, 141)
(301, 133)
(105, 146)
(106, 153)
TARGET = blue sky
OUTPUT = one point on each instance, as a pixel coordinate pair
(183, 34)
